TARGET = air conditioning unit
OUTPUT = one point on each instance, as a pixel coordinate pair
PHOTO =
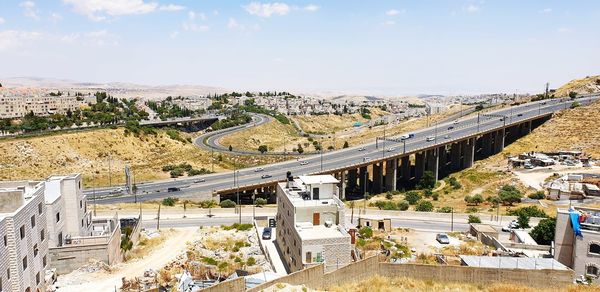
(328, 223)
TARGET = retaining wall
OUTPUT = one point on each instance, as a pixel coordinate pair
(234, 285)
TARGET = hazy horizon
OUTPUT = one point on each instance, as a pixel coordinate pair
(384, 48)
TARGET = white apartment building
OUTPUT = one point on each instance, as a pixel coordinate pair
(16, 105)
(67, 209)
(24, 246)
(310, 223)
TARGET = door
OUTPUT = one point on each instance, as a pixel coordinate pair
(308, 257)
(316, 218)
(315, 193)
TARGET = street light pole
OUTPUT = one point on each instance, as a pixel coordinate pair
(404, 145)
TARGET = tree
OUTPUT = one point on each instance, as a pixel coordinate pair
(300, 149)
(365, 232)
(474, 219)
(227, 204)
(230, 148)
(529, 211)
(427, 181)
(475, 199)
(543, 233)
(454, 183)
(126, 243)
(412, 197)
(509, 195)
(573, 94)
(539, 195)
(262, 149)
(346, 145)
(523, 220)
(424, 206)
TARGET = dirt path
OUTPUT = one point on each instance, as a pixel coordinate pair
(105, 281)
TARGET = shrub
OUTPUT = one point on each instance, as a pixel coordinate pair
(388, 195)
(474, 219)
(427, 193)
(435, 196)
(412, 197)
(475, 199)
(543, 233)
(424, 206)
(210, 261)
(403, 206)
(427, 181)
(539, 195)
(261, 201)
(237, 226)
(523, 220)
(454, 183)
(251, 261)
(509, 195)
(262, 148)
(365, 232)
(170, 201)
(227, 204)
(177, 172)
(529, 211)
(208, 204)
(445, 209)
(471, 210)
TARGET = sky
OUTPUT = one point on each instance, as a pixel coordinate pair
(350, 46)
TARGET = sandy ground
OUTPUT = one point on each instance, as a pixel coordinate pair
(424, 241)
(105, 281)
(535, 177)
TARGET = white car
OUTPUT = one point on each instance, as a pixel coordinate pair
(455, 122)
(391, 149)
(429, 139)
(303, 162)
(259, 169)
(361, 149)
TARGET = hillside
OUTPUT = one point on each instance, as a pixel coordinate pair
(585, 85)
(328, 124)
(88, 152)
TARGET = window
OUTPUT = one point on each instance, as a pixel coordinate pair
(57, 216)
(37, 278)
(22, 231)
(594, 248)
(32, 221)
(80, 204)
(8, 274)
(40, 208)
(44, 261)
(308, 257)
(35, 250)
(81, 222)
(42, 235)
(5, 241)
(592, 270)
(24, 263)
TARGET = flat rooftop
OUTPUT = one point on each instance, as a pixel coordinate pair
(300, 195)
(309, 231)
(591, 216)
(512, 263)
(486, 228)
(318, 179)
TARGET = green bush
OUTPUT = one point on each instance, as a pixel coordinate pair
(539, 195)
(251, 261)
(239, 227)
(435, 196)
(210, 261)
(388, 195)
(454, 183)
(227, 204)
(261, 201)
(543, 233)
(177, 172)
(208, 204)
(170, 201)
(365, 232)
(471, 210)
(445, 209)
(412, 197)
(424, 206)
(474, 219)
(403, 206)
(529, 211)
(509, 195)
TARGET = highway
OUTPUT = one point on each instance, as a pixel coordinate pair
(353, 156)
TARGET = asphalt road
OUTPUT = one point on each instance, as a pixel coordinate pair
(340, 158)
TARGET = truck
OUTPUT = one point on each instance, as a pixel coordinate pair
(407, 136)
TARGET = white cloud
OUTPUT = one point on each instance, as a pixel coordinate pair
(195, 27)
(174, 34)
(267, 9)
(171, 8)
(191, 25)
(55, 17)
(394, 12)
(2, 21)
(563, 30)
(98, 10)
(311, 8)
(232, 23)
(472, 8)
(546, 11)
(389, 22)
(30, 10)
(96, 38)
(194, 15)
(11, 39)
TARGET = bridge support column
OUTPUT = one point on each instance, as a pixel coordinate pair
(342, 186)
(486, 145)
(468, 152)
(455, 156)
(499, 141)
(433, 162)
(352, 176)
(419, 165)
(363, 179)
(391, 174)
(405, 170)
(378, 178)
(442, 161)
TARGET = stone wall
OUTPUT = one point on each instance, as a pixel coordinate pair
(237, 284)
(312, 277)
(355, 272)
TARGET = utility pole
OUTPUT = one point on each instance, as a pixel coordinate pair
(383, 148)
(321, 147)
(94, 192)
(109, 170)
(452, 220)
(404, 145)
(212, 159)
(158, 218)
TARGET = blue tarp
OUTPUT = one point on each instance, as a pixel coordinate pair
(575, 223)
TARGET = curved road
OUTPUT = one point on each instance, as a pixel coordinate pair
(203, 186)
(210, 141)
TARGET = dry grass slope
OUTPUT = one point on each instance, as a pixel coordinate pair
(581, 86)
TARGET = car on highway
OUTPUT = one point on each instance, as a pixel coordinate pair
(266, 234)
(512, 225)
(199, 180)
(116, 191)
(361, 149)
(455, 122)
(259, 169)
(442, 238)
(173, 189)
(429, 139)
(407, 136)
(450, 128)
(366, 158)
(519, 115)
(392, 149)
(303, 162)
(447, 137)
(266, 176)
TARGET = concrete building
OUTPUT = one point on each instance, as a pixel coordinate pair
(18, 104)
(24, 247)
(310, 223)
(68, 215)
(577, 241)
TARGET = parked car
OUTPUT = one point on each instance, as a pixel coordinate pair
(266, 234)
(442, 238)
(266, 176)
(429, 139)
(528, 166)
(259, 169)
(512, 225)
